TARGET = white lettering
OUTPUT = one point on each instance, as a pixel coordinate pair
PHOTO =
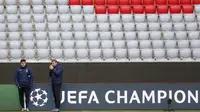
(161, 95)
(93, 97)
(176, 96)
(107, 95)
(119, 96)
(134, 97)
(148, 97)
(194, 97)
(71, 98)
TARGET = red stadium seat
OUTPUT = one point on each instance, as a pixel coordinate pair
(74, 2)
(87, 2)
(196, 1)
(138, 9)
(188, 8)
(174, 9)
(185, 2)
(100, 9)
(124, 2)
(99, 2)
(148, 2)
(150, 9)
(125, 9)
(173, 2)
(162, 9)
(111, 2)
(161, 2)
(113, 9)
(136, 2)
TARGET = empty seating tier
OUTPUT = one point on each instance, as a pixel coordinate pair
(100, 30)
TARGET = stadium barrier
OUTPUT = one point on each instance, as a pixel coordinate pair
(107, 96)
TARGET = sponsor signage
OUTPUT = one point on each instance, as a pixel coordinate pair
(117, 96)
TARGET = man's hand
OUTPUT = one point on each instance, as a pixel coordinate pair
(51, 67)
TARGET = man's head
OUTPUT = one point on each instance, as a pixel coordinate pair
(23, 62)
(53, 62)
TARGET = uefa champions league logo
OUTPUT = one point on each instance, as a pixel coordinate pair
(38, 97)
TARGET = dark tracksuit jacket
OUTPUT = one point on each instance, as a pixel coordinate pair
(56, 79)
(24, 81)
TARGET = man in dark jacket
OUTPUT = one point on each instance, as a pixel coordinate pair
(24, 81)
(56, 74)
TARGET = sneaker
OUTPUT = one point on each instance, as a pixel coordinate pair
(27, 110)
(23, 109)
(55, 110)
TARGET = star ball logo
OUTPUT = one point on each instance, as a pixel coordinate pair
(38, 97)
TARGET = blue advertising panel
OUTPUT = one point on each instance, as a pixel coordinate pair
(117, 96)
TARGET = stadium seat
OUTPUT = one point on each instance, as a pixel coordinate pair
(15, 44)
(11, 9)
(196, 2)
(92, 35)
(195, 43)
(132, 44)
(40, 27)
(28, 44)
(3, 35)
(106, 44)
(15, 54)
(162, 9)
(75, 9)
(69, 54)
(130, 35)
(148, 2)
(170, 44)
(197, 8)
(38, 9)
(175, 9)
(91, 26)
(193, 26)
(183, 2)
(155, 35)
(150, 9)
(82, 55)
(196, 54)
(29, 54)
(116, 27)
(100, 9)
(185, 54)
(173, 2)
(68, 44)
(117, 35)
(152, 17)
(113, 9)
(99, 2)
(89, 18)
(88, 9)
(126, 18)
(62, 2)
(42, 44)
(95, 54)
(24, 2)
(193, 35)
(25, 18)
(187, 9)
(1, 2)
(183, 44)
(81, 44)
(145, 44)
(105, 35)
(28, 36)
(172, 54)
(78, 26)
(168, 35)
(13, 27)
(52, 18)
(25, 9)
(51, 9)
(11, 2)
(80, 36)
(141, 26)
(136, 2)
(147, 54)
(119, 44)
(74, 2)
(54, 35)
(14, 36)
(143, 35)
(38, 18)
(138, 9)
(161, 2)
(57, 54)
(179, 27)
(50, 2)
(94, 44)
(177, 17)
(1, 9)
(113, 18)
(27, 27)
(124, 2)
(140, 17)
(125, 9)
(43, 54)
(62, 9)
(181, 35)
(55, 44)
(66, 26)
(164, 18)
(189, 17)
(4, 54)
(103, 27)
(66, 35)
(134, 55)
(41, 36)
(37, 2)
(87, 2)
(121, 55)
(157, 44)
(64, 18)
(108, 54)
(102, 18)
(3, 44)
(12, 18)
(129, 27)
(159, 54)
(77, 18)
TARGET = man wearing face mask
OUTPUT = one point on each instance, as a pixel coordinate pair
(24, 82)
(56, 74)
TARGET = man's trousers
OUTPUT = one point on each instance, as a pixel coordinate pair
(56, 88)
(24, 91)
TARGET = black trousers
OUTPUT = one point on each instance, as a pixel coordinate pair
(22, 91)
(56, 94)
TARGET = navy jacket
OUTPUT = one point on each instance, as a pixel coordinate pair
(24, 77)
(56, 74)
